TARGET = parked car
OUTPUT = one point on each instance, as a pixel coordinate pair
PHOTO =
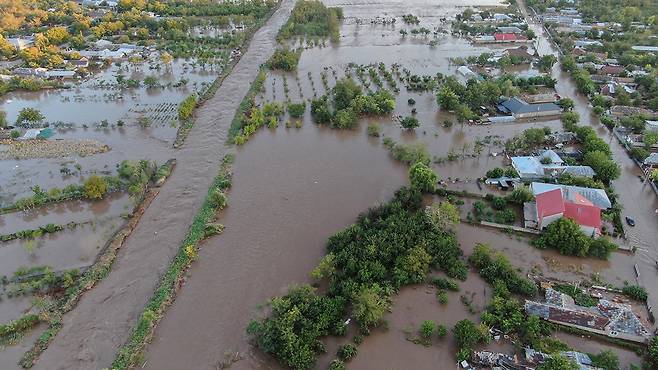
(630, 221)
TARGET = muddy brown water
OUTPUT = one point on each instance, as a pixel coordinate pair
(102, 321)
(253, 260)
(77, 211)
(279, 218)
(87, 104)
(291, 190)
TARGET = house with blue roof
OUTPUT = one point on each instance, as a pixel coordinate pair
(521, 109)
(547, 164)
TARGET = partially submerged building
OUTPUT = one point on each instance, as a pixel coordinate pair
(547, 164)
(554, 201)
(614, 320)
(521, 109)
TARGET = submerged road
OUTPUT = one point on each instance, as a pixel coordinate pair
(636, 196)
(103, 319)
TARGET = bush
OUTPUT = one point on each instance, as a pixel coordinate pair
(409, 122)
(307, 314)
(347, 352)
(284, 59)
(15, 134)
(495, 173)
(337, 364)
(427, 329)
(494, 267)
(422, 178)
(466, 334)
(408, 153)
(296, 110)
(95, 187)
(186, 107)
(374, 130)
(636, 292)
(441, 331)
(606, 360)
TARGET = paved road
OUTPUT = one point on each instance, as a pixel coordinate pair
(637, 197)
(103, 319)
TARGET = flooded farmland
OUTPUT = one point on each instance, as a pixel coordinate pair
(292, 188)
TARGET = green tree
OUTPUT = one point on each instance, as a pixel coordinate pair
(95, 187)
(606, 360)
(422, 177)
(546, 62)
(443, 215)
(3, 119)
(29, 116)
(150, 82)
(370, 305)
(520, 195)
(466, 334)
(606, 169)
(409, 122)
(558, 363)
(565, 236)
(344, 92)
(427, 329)
(447, 99)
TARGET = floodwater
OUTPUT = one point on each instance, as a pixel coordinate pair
(79, 112)
(391, 349)
(636, 196)
(292, 189)
(101, 322)
(77, 211)
(71, 248)
(279, 216)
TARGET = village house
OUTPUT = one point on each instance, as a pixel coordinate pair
(509, 37)
(466, 72)
(520, 52)
(611, 88)
(30, 72)
(650, 126)
(586, 43)
(614, 320)
(498, 17)
(651, 161)
(547, 164)
(610, 70)
(619, 111)
(510, 29)
(521, 109)
(578, 52)
(530, 360)
(79, 63)
(554, 201)
(649, 49)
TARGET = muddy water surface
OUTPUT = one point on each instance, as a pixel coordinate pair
(292, 189)
(102, 320)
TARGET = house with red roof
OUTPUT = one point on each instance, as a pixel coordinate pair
(551, 205)
(509, 37)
